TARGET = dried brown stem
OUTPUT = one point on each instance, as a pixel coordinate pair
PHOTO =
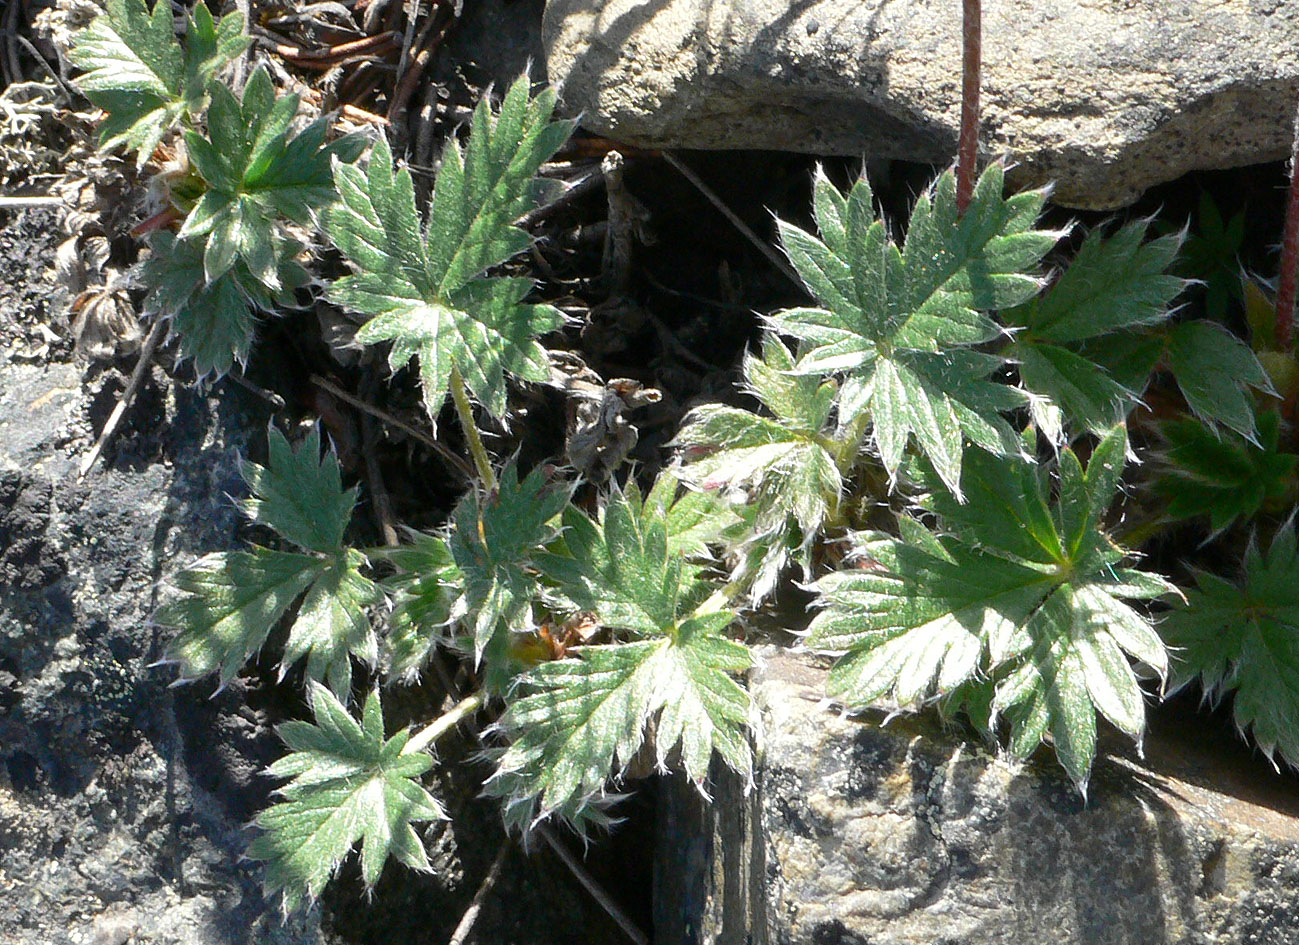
(453, 460)
(466, 924)
(128, 395)
(598, 892)
(330, 55)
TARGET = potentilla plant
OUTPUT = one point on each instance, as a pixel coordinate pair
(939, 441)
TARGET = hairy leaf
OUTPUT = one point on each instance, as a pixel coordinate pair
(900, 324)
(215, 324)
(1215, 370)
(257, 174)
(142, 76)
(348, 784)
(1244, 639)
(1223, 475)
(621, 567)
(694, 520)
(1019, 589)
(230, 602)
(495, 541)
(1114, 284)
(429, 293)
(228, 605)
(779, 465)
(581, 720)
(300, 494)
(425, 590)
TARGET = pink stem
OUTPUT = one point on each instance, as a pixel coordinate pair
(1285, 292)
(967, 151)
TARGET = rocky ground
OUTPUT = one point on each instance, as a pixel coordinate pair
(125, 803)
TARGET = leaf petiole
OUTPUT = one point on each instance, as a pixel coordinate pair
(444, 723)
(465, 411)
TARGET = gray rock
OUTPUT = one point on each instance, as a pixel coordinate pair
(113, 828)
(125, 804)
(1105, 98)
(904, 835)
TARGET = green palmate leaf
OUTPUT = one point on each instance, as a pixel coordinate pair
(256, 175)
(1114, 285)
(694, 520)
(781, 465)
(495, 541)
(142, 77)
(429, 293)
(424, 590)
(622, 568)
(229, 603)
(348, 784)
(1215, 371)
(901, 324)
(580, 720)
(1244, 639)
(300, 494)
(216, 323)
(1223, 475)
(1026, 592)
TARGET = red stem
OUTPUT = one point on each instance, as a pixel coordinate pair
(1285, 292)
(163, 218)
(967, 150)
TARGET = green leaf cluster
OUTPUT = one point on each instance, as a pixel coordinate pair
(1242, 638)
(1223, 475)
(1091, 342)
(894, 455)
(1014, 588)
(248, 178)
(427, 289)
(576, 721)
(229, 602)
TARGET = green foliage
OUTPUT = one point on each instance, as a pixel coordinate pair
(248, 177)
(142, 77)
(1223, 475)
(903, 325)
(215, 323)
(1086, 345)
(1211, 254)
(348, 784)
(578, 720)
(493, 544)
(1113, 284)
(782, 466)
(257, 173)
(1022, 590)
(1244, 639)
(229, 602)
(1215, 370)
(607, 637)
(424, 593)
(428, 292)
